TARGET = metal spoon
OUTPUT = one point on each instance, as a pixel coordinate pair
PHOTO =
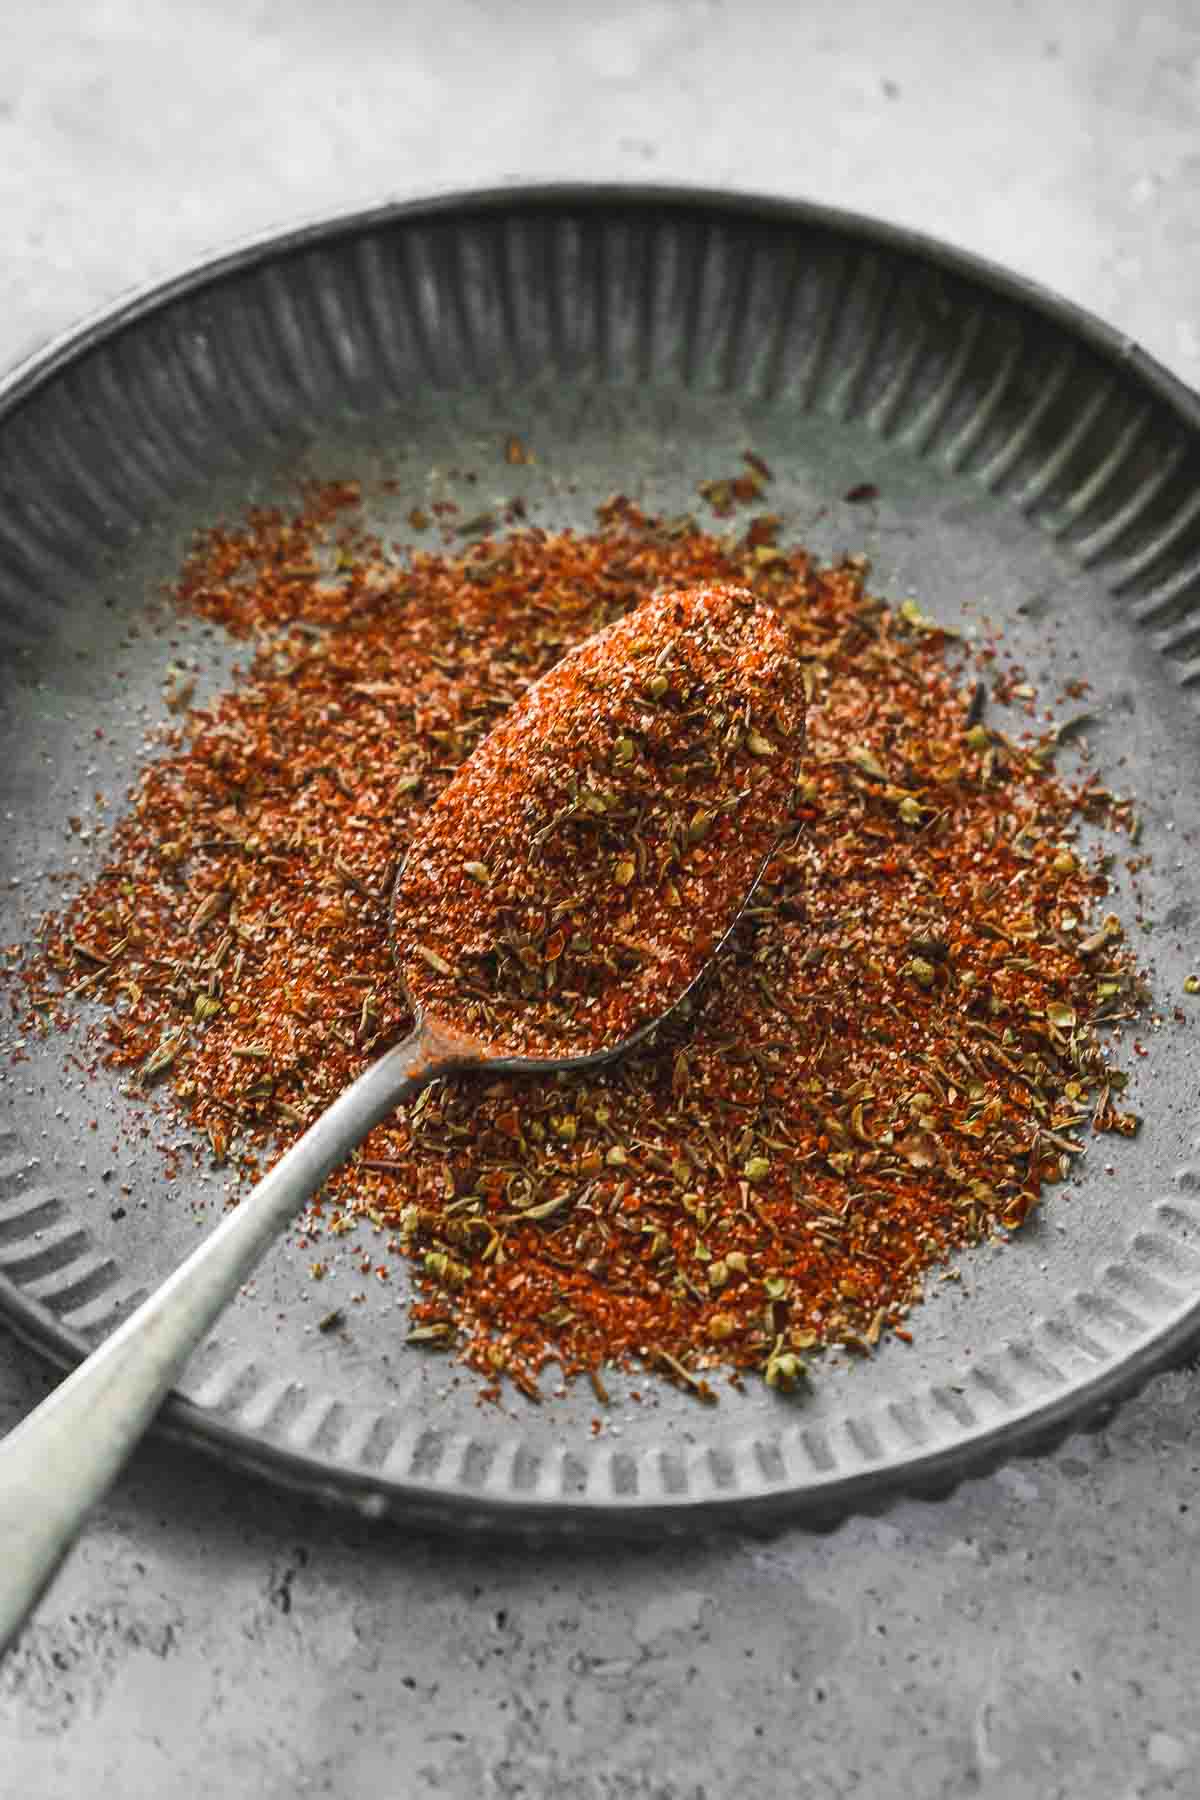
(63, 1457)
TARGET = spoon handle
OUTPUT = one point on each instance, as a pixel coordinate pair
(63, 1457)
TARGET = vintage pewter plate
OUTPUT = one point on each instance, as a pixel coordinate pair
(1033, 469)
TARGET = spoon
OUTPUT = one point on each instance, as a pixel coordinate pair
(562, 898)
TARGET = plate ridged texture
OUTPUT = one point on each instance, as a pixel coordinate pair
(638, 340)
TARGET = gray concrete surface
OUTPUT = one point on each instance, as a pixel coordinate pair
(1036, 1633)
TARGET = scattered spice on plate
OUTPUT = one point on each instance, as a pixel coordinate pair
(901, 1048)
(582, 867)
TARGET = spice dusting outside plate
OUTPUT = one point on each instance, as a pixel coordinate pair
(1004, 464)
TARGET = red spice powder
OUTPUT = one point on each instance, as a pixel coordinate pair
(897, 1052)
(575, 877)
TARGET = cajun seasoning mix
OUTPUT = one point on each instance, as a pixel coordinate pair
(897, 1052)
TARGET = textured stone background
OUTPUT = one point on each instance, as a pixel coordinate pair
(1034, 1635)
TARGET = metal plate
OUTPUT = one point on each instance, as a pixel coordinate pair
(1033, 469)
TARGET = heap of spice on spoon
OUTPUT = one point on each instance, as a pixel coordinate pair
(586, 860)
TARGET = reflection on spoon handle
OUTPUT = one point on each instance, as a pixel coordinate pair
(60, 1460)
